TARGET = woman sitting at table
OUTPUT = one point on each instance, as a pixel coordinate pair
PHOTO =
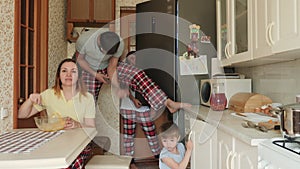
(69, 99)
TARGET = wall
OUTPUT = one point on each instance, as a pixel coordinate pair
(279, 81)
(57, 50)
(57, 36)
(6, 60)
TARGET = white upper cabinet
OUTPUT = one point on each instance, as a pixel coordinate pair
(262, 31)
(261, 28)
(234, 31)
(223, 30)
(284, 25)
(276, 27)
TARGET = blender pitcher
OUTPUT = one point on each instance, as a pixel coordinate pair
(218, 100)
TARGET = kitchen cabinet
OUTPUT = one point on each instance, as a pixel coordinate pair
(276, 27)
(204, 137)
(270, 32)
(234, 35)
(213, 148)
(235, 154)
(97, 11)
(284, 25)
(262, 28)
(88, 13)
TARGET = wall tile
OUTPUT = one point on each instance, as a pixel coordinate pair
(278, 81)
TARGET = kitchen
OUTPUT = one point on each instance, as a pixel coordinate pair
(278, 81)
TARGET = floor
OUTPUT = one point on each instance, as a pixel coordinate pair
(151, 164)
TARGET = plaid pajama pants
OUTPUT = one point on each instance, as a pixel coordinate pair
(80, 161)
(133, 77)
(130, 118)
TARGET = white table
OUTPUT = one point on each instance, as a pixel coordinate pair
(59, 152)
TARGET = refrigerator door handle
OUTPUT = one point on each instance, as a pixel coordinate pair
(153, 25)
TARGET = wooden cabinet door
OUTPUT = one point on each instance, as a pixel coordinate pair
(91, 11)
(78, 11)
(104, 10)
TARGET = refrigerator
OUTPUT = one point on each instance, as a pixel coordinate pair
(162, 37)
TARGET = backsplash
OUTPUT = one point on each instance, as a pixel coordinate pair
(278, 81)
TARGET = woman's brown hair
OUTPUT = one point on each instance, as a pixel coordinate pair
(58, 85)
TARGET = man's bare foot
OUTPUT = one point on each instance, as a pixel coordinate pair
(174, 106)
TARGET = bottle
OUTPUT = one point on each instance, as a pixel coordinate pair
(218, 100)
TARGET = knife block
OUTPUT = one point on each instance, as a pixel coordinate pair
(247, 102)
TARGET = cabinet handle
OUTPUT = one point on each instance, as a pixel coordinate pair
(270, 33)
(232, 160)
(267, 35)
(226, 50)
(227, 159)
(227, 55)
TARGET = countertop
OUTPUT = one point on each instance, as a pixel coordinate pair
(59, 152)
(224, 121)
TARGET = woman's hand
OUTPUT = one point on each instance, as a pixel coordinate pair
(27, 109)
(71, 124)
(35, 98)
(102, 78)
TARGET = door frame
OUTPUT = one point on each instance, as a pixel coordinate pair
(43, 53)
(127, 16)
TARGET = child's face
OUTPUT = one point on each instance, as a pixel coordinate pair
(170, 143)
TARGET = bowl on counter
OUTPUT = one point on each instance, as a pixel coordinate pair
(49, 124)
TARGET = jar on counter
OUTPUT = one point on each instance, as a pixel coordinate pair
(218, 100)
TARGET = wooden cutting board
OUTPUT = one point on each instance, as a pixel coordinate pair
(247, 102)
